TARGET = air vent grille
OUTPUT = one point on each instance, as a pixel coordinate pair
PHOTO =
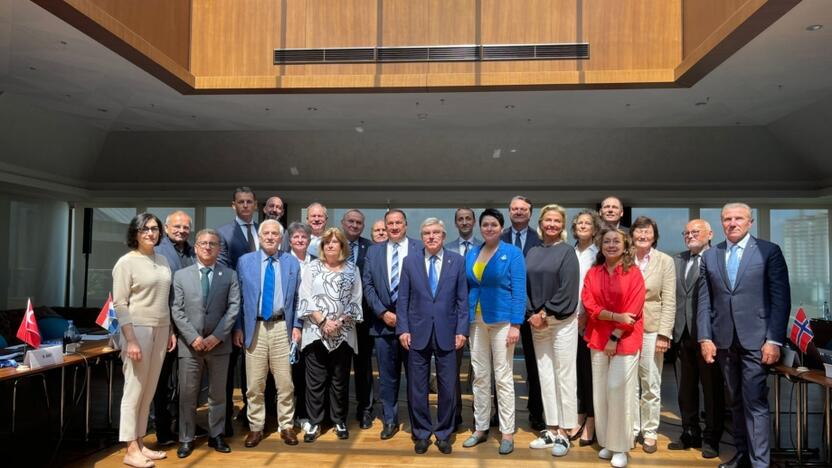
(449, 53)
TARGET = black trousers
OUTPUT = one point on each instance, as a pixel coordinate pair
(299, 380)
(583, 370)
(236, 355)
(535, 403)
(694, 371)
(166, 398)
(363, 369)
(327, 372)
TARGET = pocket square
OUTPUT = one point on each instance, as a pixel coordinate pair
(504, 257)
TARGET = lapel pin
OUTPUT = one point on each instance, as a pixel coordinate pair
(504, 257)
(219, 273)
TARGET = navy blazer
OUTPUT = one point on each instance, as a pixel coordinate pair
(233, 243)
(168, 250)
(422, 314)
(248, 273)
(760, 300)
(502, 291)
(377, 286)
(532, 239)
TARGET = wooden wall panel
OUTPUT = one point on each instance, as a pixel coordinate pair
(702, 17)
(165, 24)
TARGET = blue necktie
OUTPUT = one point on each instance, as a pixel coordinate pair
(733, 264)
(394, 274)
(354, 249)
(518, 242)
(432, 279)
(465, 246)
(205, 286)
(267, 304)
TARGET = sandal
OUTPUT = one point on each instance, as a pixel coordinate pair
(577, 433)
(154, 454)
(138, 462)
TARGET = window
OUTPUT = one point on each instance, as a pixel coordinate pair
(109, 243)
(804, 237)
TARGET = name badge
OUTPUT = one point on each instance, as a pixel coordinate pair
(41, 357)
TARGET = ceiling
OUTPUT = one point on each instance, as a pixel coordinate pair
(74, 114)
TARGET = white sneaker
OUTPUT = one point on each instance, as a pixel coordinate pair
(605, 453)
(545, 440)
(561, 446)
(619, 460)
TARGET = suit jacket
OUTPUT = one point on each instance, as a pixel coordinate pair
(377, 286)
(660, 300)
(216, 317)
(422, 314)
(168, 250)
(502, 291)
(233, 243)
(248, 272)
(453, 245)
(760, 299)
(532, 239)
(686, 298)
(363, 246)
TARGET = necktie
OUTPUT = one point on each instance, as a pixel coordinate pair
(518, 242)
(432, 279)
(205, 272)
(251, 246)
(394, 274)
(465, 246)
(692, 271)
(268, 291)
(733, 264)
(354, 250)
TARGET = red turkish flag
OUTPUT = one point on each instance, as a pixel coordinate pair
(29, 332)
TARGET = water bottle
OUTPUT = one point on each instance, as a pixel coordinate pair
(71, 334)
(826, 315)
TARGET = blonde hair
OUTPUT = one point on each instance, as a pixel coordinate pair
(558, 209)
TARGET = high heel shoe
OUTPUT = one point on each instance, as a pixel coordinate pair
(584, 443)
(577, 433)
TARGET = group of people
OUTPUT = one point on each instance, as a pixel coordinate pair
(309, 304)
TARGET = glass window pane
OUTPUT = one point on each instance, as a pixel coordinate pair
(713, 217)
(109, 236)
(804, 237)
(671, 223)
(216, 216)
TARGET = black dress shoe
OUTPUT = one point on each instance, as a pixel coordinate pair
(164, 440)
(536, 424)
(366, 421)
(686, 441)
(389, 430)
(739, 461)
(200, 432)
(185, 449)
(710, 450)
(444, 446)
(218, 443)
(421, 446)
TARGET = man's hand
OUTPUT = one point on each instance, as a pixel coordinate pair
(771, 353)
(708, 351)
(171, 342)
(582, 323)
(538, 321)
(198, 344)
(389, 319)
(404, 339)
(296, 335)
(662, 344)
(211, 342)
(460, 341)
(237, 338)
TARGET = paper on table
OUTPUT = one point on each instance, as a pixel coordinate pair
(86, 337)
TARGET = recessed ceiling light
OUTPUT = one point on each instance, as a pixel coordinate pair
(294, 171)
(67, 95)
(101, 109)
(513, 150)
(814, 27)
(311, 109)
(193, 116)
(268, 109)
(627, 105)
(360, 127)
(701, 103)
(422, 116)
(497, 153)
(510, 106)
(32, 68)
(63, 42)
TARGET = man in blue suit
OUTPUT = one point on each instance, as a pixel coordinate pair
(381, 278)
(237, 238)
(744, 303)
(519, 235)
(432, 322)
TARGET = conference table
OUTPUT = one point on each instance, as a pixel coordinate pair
(89, 354)
(802, 378)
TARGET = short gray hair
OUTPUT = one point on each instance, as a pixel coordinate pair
(732, 205)
(207, 232)
(268, 222)
(432, 221)
(299, 227)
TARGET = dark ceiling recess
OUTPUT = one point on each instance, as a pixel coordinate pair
(439, 53)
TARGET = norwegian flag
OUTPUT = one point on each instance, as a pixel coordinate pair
(29, 332)
(107, 317)
(801, 334)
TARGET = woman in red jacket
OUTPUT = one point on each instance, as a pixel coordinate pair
(613, 297)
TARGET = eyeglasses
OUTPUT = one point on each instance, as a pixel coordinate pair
(691, 233)
(146, 229)
(208, 245)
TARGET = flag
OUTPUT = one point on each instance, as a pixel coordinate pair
(107, 317)
(29, 332)
(801, 333)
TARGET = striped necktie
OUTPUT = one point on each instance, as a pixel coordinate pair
(394, 274)
(518, 242)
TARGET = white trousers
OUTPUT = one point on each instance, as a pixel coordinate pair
(269, 350)
(140, 379)
(647, 405)
(613, 389)
(556, 348)
(488, 348)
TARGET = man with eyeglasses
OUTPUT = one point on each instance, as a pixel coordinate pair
(238, 238)
(205, 307)
(694, 370)
(179, 253)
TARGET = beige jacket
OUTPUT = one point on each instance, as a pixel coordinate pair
(660, 301)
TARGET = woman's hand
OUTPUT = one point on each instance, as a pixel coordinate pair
(513, 335)
(134, 351)
(625, 318)
(610, 348)
(171, 342)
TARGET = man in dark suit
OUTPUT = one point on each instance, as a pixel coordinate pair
(744, 303)
(179, 253)
(433, 322)
(381, 277)
(694, 369)
(352, 223)
(519, 234)
(205, 307)
(237, 238)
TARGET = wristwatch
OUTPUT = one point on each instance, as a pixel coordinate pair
(614, 338)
